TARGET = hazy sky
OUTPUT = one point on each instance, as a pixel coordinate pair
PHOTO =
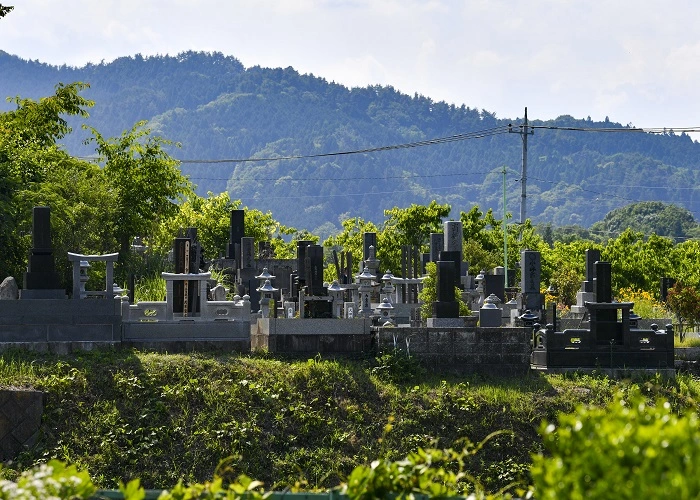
(636, 61)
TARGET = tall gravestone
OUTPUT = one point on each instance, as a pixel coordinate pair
(592, 256)
(247, 252)
(302, 246)
(604, 326)
(445, 306)
(314, 270)
(587, 293)
(437, 243)
(452, 249)
(41, 281)
(453, 235)
(186, 298)
(530, 271)
(368, 240)
(236, 232)
(495, 284)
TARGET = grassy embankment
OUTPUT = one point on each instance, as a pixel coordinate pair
(159, 417)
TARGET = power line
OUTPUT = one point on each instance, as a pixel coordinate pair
(648, 130)
(373, 178)
(430, 142)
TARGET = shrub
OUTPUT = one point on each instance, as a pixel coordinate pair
(51, 480)
(628, 449)
(645, 305)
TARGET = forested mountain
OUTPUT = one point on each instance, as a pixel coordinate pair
(218, 109)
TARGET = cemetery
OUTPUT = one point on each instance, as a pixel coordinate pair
(283, 306)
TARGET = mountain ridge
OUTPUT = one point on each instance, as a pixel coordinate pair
(218, 109)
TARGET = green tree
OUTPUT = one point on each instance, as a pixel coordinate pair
(83, 212)
(29, 156)
(638, 263)
(350, 240)
(649, 217)
(684, 302)
(210, 215)
(408, 226)
(146, 180)
(428, 294)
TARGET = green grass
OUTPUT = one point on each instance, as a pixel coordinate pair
(688, 342)
(160, 417)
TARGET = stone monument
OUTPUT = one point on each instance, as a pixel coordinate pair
(41, 281)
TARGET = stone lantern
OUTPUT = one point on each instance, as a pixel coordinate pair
(528, 318)
(267, 291)
(264, 276)
(365, 290)
(384, 310)
(336, 292)
(479, 279)
(388, 288)
(372, 263)
(118, 291)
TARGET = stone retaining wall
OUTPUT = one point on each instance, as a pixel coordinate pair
(491, 351)
(20, 419)
(311, 336)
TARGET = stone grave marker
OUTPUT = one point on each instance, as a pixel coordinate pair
(236, 232)
(437, 243)
(41, 281)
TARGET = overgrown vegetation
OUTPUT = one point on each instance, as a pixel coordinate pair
(161, 418)
(631, 448)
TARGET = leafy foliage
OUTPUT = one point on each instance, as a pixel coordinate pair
(649, 217)
(54, 479)
(645, 304)
(684, 302)
(146, 181)
(428, 294)
(627, 449)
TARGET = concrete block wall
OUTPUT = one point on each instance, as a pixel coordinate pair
(489, 351)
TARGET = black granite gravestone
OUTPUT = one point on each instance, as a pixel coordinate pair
(184, 256)
(437, 244)
(368, 240)
(236, 232)
(313, 266)
(604, 325)
(592, 256)
(456, 257)
(530, 270)
(41, 273)
(302, 245)
(495, 284)
(445, 306)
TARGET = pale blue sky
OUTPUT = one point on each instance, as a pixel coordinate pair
(636, 61)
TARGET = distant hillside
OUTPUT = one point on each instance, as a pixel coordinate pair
(218, 109)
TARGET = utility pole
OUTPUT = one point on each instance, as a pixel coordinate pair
(505, 229)
(524, 131)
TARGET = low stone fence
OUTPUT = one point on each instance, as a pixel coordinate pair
(311, 336)
(60, 320)
(491, 351)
